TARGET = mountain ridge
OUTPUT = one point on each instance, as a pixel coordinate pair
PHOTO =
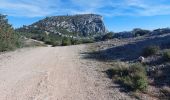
(78, 25)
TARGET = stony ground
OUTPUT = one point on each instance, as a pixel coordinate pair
(60, 73)
(129, 50)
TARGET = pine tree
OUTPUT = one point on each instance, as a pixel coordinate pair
(8, 37)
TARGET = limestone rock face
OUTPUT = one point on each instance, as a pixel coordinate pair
(81, 25)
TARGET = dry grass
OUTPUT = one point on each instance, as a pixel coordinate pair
(133, 76)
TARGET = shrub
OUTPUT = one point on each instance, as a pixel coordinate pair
(166, 55)
(132, 76)
(98, 38)
(87, 41)
(66, 41)
(52, 42)
(108, 36)
(75, 41)
(150, 50)
(119, 69)
(137, 73)
(48, 42)
(140, 32)
(56, 43)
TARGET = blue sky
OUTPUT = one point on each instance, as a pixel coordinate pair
(119, 15)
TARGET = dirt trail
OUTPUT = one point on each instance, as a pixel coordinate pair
(47, 73)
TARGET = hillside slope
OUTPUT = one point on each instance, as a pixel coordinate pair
(125, 53)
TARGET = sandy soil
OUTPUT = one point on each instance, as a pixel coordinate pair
(47, 73)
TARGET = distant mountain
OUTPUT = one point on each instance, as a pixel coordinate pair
(77, 25)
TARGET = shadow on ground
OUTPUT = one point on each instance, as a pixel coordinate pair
(127, 52)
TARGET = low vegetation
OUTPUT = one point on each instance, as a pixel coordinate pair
(140, 32)
(108, 36)
(54, 39)
(132, 76)
(66, 41)
(150, 50)
(166, 55)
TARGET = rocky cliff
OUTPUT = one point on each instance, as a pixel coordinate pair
(78, 25)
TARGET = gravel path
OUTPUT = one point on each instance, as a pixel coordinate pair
(47, 73)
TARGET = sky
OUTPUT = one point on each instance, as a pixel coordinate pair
(118, 15)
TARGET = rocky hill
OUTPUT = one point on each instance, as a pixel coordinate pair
(77, 25)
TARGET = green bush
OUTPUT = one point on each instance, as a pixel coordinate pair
(52, 42)
(140, 32)
(87, 41)
(108, 36)
(150, 50)
(137, 73)
(66, 41)
(75, 41)
(166, 55)
(56, 43)
(132, 76)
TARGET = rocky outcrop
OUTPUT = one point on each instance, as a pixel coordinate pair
(78, 25)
